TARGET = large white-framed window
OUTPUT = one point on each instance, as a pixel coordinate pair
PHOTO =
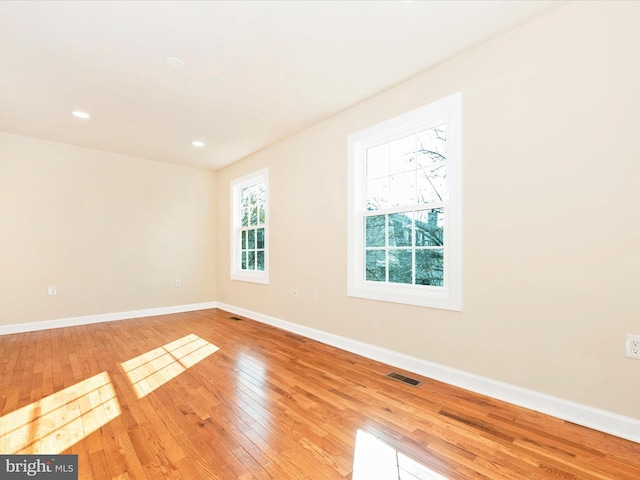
(405, 218)
(249, 227)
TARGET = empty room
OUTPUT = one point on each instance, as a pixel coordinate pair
(365, 240)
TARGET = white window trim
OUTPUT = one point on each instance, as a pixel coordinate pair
(449, 296)
(237, 185)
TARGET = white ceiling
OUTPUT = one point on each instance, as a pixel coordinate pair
(256, 71)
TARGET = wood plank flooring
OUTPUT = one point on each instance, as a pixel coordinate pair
(202, 396)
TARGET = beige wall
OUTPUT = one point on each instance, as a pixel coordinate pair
(111, 232)
(551, 170)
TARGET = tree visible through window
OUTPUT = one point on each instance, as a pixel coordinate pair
(252, 213)
(249, 254)
(404, 218)
(406, 175)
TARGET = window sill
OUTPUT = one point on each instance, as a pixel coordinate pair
(252, 277)
(433, 297)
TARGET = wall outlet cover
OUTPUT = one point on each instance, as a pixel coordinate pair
(632, 346)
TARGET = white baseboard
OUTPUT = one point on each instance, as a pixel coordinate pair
(104, 317)
(602, 420)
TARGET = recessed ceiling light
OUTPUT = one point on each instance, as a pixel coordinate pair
(197, 143)
(79, 114)
(174, 62)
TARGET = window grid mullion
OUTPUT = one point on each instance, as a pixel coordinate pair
(386, 244)
(413, 246)
(406, 208)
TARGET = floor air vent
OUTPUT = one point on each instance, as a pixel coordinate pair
(404, 379)
(237, 319)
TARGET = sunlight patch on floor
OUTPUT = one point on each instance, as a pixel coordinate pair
(375, 460)
(58, 421)
(153, 369)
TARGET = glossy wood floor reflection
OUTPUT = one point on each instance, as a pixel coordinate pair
(202, 396)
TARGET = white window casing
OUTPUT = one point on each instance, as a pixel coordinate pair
(250, 227)
(406, 188)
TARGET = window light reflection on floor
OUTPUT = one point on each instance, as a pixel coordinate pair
(153, 369)
(58, 421)
(375, 460)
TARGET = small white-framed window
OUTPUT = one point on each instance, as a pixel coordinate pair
(405, 219)
(249, 227)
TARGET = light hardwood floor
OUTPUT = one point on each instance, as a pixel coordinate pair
(202, 396)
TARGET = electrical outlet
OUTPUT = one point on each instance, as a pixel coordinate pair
(313, 296)
(296, 292)
(633, 346)
(52, 290)
(178, 282)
